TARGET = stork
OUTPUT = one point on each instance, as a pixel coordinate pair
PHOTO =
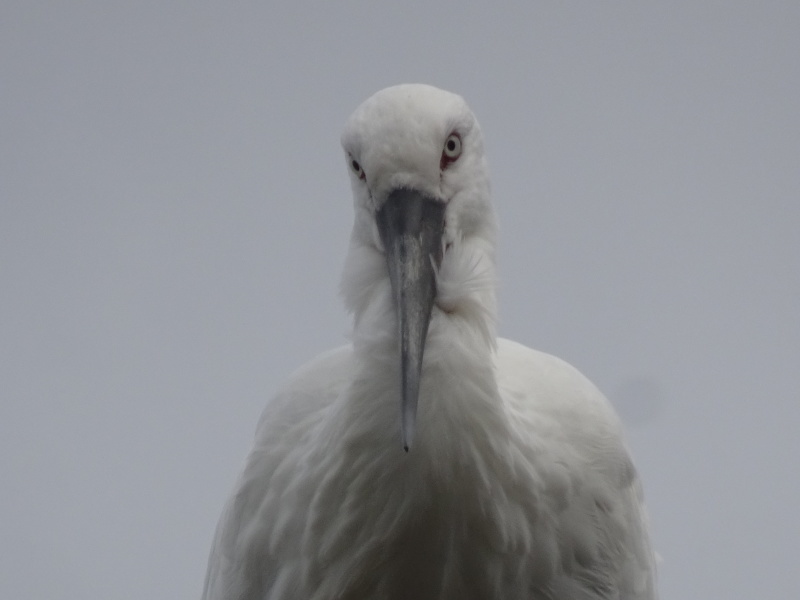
(429, 459)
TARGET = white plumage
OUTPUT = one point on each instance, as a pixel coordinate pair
(517, 484)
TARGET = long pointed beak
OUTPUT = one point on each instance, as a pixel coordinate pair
(411, 226)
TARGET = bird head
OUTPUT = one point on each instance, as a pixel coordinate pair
(420, 185)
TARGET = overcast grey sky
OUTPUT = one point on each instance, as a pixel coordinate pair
(174, 212)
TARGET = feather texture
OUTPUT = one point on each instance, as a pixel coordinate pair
(519, 485)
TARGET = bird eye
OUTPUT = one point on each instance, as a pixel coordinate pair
(452, 149)
(354, 164)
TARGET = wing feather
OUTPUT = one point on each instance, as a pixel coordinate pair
(255, 548)
(580, 456)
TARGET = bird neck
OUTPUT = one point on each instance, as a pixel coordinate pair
(464, 314)
(458, 381)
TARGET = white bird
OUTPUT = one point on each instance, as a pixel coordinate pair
(515, 482)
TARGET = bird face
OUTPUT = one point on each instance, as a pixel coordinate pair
(419, 181)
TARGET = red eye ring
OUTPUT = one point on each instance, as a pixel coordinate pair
(451, 151)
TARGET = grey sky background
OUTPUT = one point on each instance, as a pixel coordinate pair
(175, 208)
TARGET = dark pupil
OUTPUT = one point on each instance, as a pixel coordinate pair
(356, 166)
(451, 145)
